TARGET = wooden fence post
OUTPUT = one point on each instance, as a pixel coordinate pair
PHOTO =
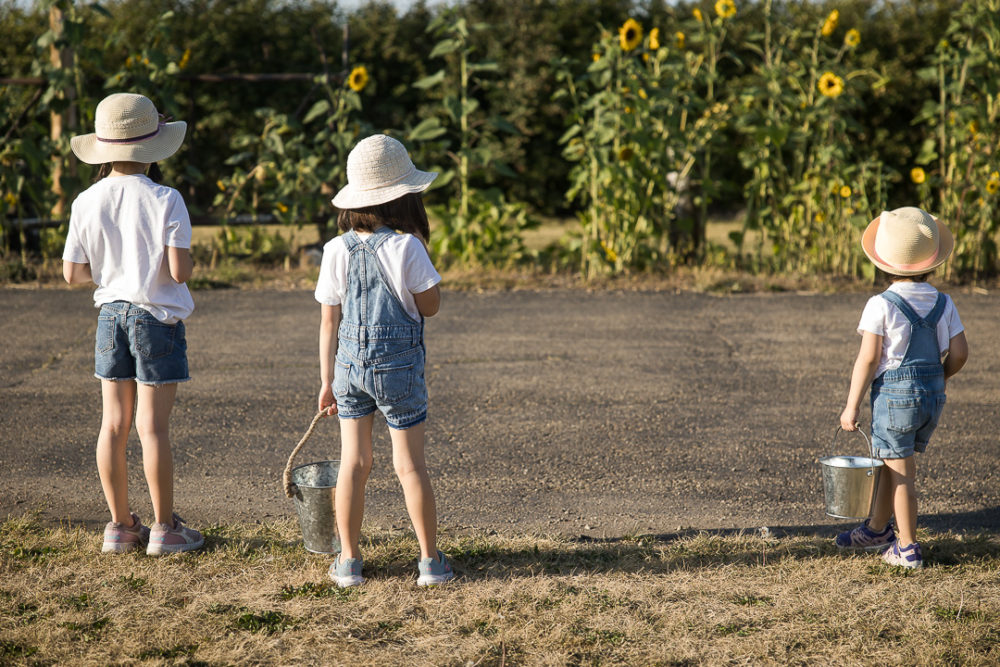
(61, 58)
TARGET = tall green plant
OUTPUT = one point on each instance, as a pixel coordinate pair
(811, 189)
(962, 149)
(482, 227)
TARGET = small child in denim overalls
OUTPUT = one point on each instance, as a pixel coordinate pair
(375, 287)
(906, 332)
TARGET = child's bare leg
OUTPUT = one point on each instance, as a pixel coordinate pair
(903, 474)
(882, 506)
(152, 421)
(118, 399)
(408, 459)
(355, 466)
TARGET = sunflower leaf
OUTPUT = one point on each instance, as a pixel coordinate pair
(427, 130)
(317, 110)
(446, 46)
(429, 81)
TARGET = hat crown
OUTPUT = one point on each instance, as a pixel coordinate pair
(124, 116)
(378, 161)
(907, 236)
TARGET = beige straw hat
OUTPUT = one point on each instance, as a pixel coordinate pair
(907, 242)
(379, 170)
(128, 129)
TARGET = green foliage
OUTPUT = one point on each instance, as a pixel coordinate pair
(482, 227)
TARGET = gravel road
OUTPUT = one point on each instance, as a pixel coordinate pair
(563, 412)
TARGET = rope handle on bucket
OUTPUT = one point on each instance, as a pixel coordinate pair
(871, 447)
(290, 488)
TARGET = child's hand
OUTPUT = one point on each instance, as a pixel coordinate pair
(849, 419)
(326, 400)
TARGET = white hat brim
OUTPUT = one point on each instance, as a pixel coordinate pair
(352, 197)
(158, 147)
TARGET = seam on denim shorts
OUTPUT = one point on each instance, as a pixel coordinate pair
(411, 424)
(101, 377)
(157, 383)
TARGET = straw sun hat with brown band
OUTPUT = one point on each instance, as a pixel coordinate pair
(128, 129)
(907, 242)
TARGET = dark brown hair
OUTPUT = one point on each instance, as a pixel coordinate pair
(405, 214)
(892, 277)
(153, 172)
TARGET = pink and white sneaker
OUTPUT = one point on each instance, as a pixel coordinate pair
(120, 539)
(166, 539)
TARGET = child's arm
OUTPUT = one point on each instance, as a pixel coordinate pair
(76, 273)
(329, 323)
(429, 301)
(958, 354)
(862, 376)
(180, 263)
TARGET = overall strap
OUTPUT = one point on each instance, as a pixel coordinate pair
(936, 312)
(903, 306)
(378, 237)
(351, 240)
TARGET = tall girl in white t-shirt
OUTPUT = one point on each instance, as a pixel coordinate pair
(132, 237)
(912, 342)
(376, 285)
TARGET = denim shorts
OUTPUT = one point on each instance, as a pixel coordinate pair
(133, 345)
(395, 386)
(903, 420)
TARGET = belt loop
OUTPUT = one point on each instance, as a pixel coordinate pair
(362, 336)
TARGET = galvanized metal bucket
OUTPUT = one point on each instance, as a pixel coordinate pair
(312, 486)
(850, 482)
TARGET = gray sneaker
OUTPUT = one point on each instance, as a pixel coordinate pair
(167, 539)
(119, 539)
(347, 573)
(433, 572)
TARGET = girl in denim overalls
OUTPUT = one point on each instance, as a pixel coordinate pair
(906, 332)
(375, 287)
(131, 236)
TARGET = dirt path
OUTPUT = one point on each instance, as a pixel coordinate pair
(561, 412)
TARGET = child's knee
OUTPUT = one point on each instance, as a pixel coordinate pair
(407, 467)
(358, 468)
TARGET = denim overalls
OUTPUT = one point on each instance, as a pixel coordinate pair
(380, 353)
(907, 401)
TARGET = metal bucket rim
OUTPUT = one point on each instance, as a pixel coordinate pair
(850, 462)
(306, 465)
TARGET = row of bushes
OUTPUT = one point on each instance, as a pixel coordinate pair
(643, 121)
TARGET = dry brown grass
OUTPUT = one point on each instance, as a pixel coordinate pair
(254, 595)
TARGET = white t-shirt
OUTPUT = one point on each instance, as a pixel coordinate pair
(884, 319)
(404, 262)
(121, 226)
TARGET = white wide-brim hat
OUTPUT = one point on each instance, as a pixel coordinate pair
(379, 170)
(128, 129)
(907, 242)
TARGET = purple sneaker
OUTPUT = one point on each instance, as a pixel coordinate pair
(433, 572)
(119, 539)
(165, 539)
(863, 538)
(908, 556)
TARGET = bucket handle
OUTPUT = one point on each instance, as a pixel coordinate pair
(291, 489)
(871, 447)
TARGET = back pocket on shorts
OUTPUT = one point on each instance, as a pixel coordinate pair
(905, 414)
(154, 339)
(393, 384)
(105, 333)
(341, 379)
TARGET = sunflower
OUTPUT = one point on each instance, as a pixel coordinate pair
(830, 24)
(630, 35)
(831, 85)
(595, 57)
(679, 39)
(697, 15)
(626, 153)
(845, 191)
(993, 185)
(725, 8)
(917, 175)
(358, 78)
(654, 39)
(852, 38)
